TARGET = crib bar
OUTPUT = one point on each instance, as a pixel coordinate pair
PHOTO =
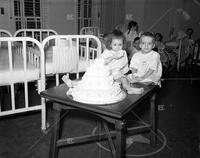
(26, 94)
(41, 36)
(12, 96)
(4, 33)
(87, 50)
(21, 110)
(77, 55)
(10, 56)
(92, 30)
(24, 55)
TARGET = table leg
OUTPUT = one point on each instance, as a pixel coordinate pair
(53, 152)
(120, 139)
(153, 137)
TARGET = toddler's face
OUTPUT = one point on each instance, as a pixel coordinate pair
(116, 44)
(146, 44)
(136, 44)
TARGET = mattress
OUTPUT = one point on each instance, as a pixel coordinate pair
(65, 59)
(18, 74)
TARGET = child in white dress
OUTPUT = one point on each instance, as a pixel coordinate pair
(145, 65)
(116, 59)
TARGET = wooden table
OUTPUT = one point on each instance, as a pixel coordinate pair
(114, 113)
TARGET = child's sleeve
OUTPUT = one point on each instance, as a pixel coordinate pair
(154, 62)
(134, 62)
(106, 54)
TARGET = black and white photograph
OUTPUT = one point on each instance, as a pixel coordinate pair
(99, 78)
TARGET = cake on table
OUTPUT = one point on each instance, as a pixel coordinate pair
(97, 86)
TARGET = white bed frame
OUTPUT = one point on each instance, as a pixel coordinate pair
(35, 37)
(39, 34)
(4, 33)
(82, 52)
(28, 57)
(90, 31)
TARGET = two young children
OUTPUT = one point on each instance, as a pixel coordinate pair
(145, 64)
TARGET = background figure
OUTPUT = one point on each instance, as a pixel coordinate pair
(159, 45)
(105, 41)
(189, 32)
(135, 48)
(132, 32)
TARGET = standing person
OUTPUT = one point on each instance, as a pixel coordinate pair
(145, 65)
(132, 32)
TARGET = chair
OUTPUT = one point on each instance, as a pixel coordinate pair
(196, 53)
(195, 61)
(184, 52)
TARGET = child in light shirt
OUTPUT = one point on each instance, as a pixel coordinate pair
(145, 65)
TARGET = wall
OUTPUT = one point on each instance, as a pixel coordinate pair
(5, 18)
(62, 16)
(134, 11)
(193, 10)
(161, 15)
(113, 14)
(157, 16)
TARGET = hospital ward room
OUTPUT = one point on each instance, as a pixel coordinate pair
(99, 78)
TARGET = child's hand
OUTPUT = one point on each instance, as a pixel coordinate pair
(139, 78)
(119, 55)
(136, 78)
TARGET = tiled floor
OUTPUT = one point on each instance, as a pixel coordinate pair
(178, 123)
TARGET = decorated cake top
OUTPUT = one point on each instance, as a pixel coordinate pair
(97, 86)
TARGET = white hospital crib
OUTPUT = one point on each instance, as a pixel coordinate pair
(20, 64)
(39, 34)
(4, 33)
(92, 30)
(65, 54)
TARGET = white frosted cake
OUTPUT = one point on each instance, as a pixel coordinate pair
(97, 86)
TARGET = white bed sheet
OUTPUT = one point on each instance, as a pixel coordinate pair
(18, 74)
(71, 63)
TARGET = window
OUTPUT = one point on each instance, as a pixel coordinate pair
(84, 13)
(27, 14)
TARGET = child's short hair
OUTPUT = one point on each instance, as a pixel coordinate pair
(158, 35)
(132, 24)
(148, 34)
(116, 34)
(136, 39)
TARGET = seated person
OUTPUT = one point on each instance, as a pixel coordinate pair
(189, 32)
(104, 40)
(159, 45)
(135, 48)
(145, 65)
(116, 59)
(173, 41)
